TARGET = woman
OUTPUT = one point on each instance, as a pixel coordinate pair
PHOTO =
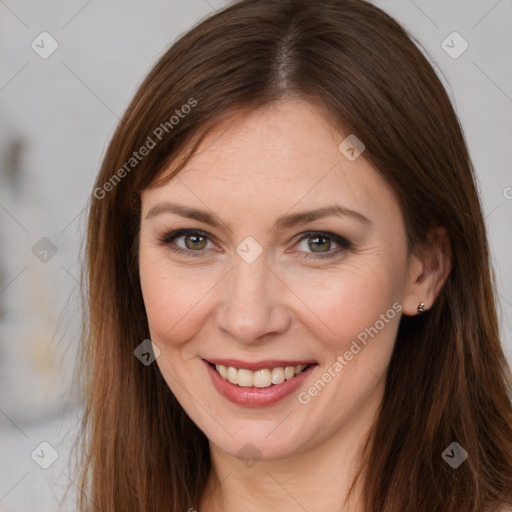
(288, 212)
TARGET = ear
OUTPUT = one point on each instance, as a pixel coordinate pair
(429, 267)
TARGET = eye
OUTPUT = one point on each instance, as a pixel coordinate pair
(194, 241)
(320, 243)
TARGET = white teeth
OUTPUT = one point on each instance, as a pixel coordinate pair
(263, 378)
(222, 370)
(244, 377)
(232, 375)
(277, 375)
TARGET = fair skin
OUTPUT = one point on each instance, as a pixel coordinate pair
(280, 160)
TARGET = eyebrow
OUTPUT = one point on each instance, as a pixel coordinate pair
(283, 222)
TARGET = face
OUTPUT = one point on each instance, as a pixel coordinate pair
(255, 284)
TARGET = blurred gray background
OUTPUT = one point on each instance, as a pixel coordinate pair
(67, 71)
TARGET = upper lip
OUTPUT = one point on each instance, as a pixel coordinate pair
(257, 365)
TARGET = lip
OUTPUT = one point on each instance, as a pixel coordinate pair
(251, 396)
(259, 365)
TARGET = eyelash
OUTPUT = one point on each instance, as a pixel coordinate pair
(344, 244)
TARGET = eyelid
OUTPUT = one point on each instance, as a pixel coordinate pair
(325, 234)
(170, 236)
(342, 242)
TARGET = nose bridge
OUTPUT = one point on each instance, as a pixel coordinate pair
(249, 279)
(250, 305)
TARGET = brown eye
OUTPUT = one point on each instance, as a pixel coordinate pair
(318, 243)
(194, 242)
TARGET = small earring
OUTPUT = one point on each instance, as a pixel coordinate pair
(421, 307)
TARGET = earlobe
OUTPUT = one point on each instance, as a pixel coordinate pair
(428, 270)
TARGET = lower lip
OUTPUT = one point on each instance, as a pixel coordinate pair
(251, 396)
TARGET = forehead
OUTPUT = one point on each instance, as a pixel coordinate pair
(280, 157)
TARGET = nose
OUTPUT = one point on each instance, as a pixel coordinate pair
(253, 301)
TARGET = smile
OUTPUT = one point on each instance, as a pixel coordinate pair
(265, 383)
(263, 378)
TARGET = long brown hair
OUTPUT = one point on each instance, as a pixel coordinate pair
(448, 380)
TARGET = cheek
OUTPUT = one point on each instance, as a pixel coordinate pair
(174, 298)
(347, 301)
